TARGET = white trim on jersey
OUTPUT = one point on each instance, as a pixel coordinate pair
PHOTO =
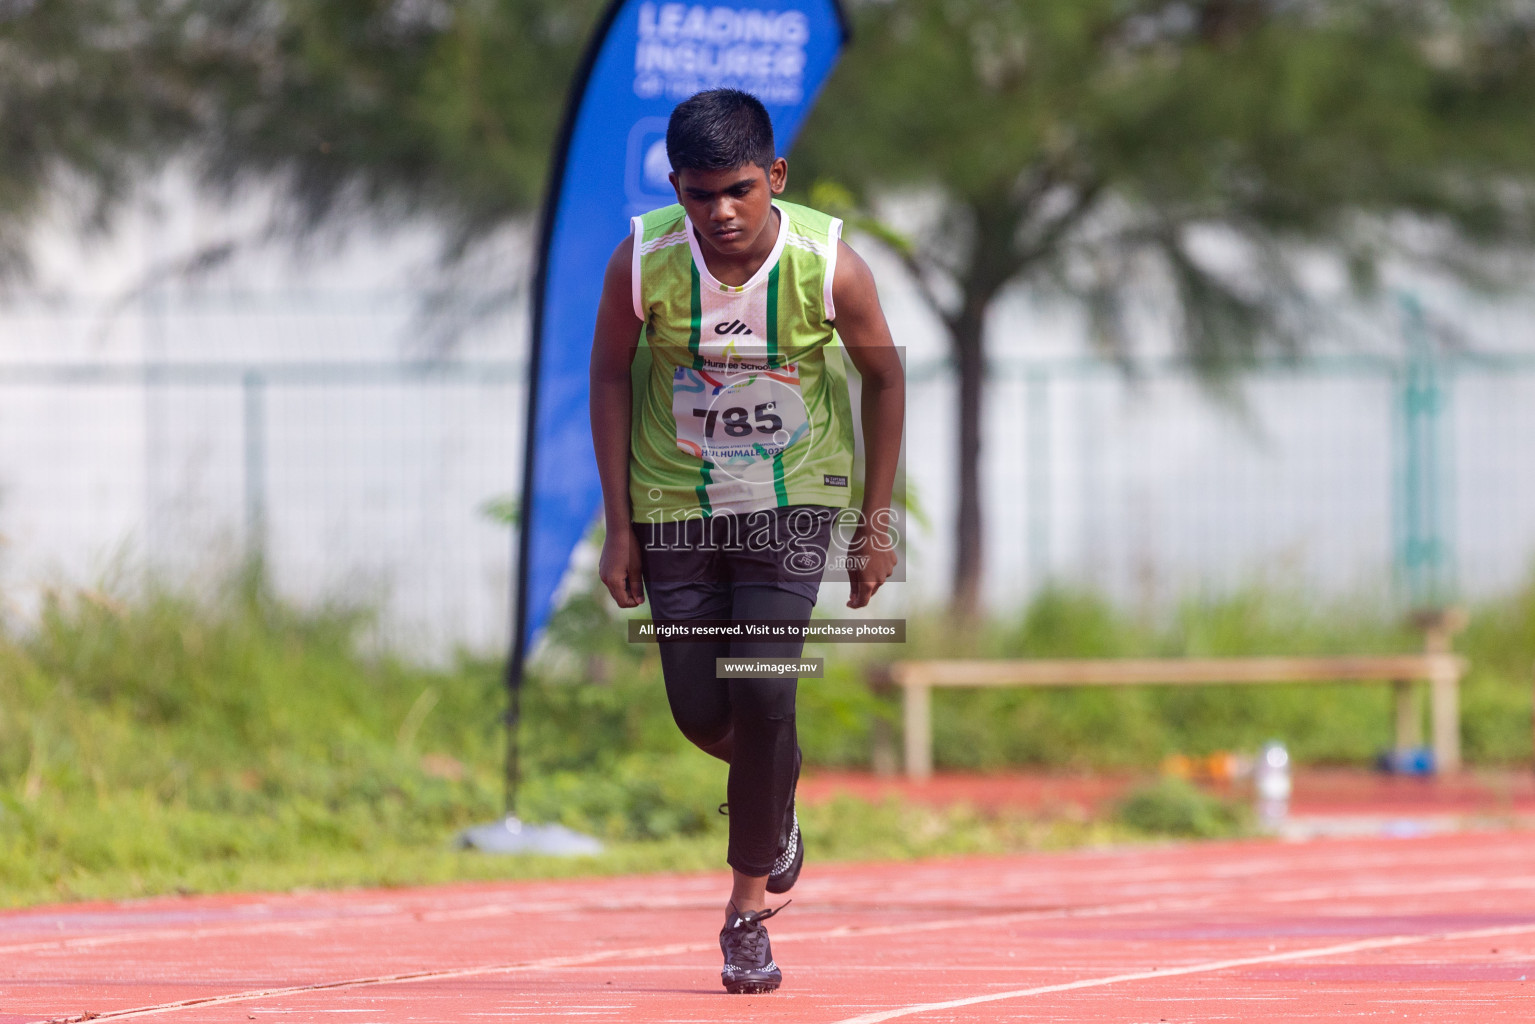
(763, 271)
(663, 242)
(833, 238)
(814, 246)
(644, 248)
(637, 232)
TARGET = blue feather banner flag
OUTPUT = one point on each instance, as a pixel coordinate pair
(610, 165)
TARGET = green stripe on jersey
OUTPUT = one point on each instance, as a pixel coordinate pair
(695, 324)
(772, 317)
(695, 331)
(702, 490)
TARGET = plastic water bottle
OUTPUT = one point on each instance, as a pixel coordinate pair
(1271, 777)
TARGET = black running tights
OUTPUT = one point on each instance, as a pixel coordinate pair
(747, 722)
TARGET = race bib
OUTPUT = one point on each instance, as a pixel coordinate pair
(737, 415)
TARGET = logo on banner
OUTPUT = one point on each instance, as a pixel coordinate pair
(646, 169)
(686, 48)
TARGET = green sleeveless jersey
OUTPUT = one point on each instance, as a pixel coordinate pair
(742, 403)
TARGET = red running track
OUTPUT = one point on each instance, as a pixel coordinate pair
(1429, 929)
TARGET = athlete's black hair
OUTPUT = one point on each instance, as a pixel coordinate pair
(718, 130)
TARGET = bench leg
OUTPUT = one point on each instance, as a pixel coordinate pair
(1409, 722)
(1446, 715)
(919, 731)
(882, 737)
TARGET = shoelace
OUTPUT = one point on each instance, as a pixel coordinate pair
(746, 934)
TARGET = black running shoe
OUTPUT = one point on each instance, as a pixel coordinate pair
(791, 848)
(749, 966)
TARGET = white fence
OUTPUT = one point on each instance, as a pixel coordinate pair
(228, 426)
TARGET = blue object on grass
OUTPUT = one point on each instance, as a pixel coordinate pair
(1412, 761)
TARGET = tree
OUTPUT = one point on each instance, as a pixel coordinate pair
(386, 108)
(1082, 146)
(1088, 147)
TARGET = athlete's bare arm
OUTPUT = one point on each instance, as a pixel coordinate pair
(613, 347)
(866, 336)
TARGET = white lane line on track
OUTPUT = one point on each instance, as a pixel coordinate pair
(375, 919)
(390, 979)
(1369, 889)
(1254, 865)
(1204, 968)
(582, 959)
(395, 914)
(548, 963)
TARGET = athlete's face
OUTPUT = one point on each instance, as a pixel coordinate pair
(732, 209)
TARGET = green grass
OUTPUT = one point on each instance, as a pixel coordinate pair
(181, 743)
(1173, 807)
(93, 857)
(170, 741)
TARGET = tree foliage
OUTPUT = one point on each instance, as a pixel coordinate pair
(1088, 148)
(376, 107)
(1106, 149)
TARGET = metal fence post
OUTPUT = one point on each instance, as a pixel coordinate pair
(1424, 556)
(1038, 412)
(253, 406)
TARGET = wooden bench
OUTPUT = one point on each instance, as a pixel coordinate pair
(1441, 669)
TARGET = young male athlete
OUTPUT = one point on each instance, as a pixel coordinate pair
(726, 460)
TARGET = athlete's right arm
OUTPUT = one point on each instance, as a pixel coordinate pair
(613, 347)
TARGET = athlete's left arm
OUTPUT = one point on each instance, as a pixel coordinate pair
(861, 324)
